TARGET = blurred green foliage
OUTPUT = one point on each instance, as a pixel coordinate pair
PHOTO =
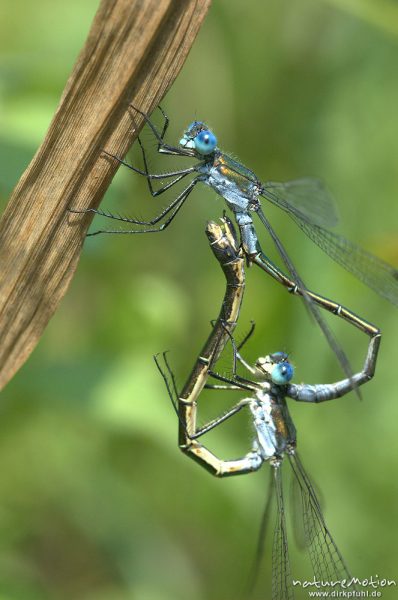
(96, 501)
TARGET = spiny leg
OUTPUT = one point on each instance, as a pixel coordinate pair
(173, 394)
(159, 136)
(240, 346)
(174, 208)
(159, 146)
(216, 466)
(165, 123)
(178, 174)
(160, 140)
(109, 215)
(237, 357)
(163, 147)
(218, 420)
(243, 384)
(248, 335)
(160, 149)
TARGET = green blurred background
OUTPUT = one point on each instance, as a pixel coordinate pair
(96, 501)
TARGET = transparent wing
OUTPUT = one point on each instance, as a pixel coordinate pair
(306, 198)
(327, 561)
(374, 272)
(262, 534)
(282, 588)
(296, 509)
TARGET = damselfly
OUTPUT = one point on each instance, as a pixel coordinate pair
(305, 200)
(274, 432)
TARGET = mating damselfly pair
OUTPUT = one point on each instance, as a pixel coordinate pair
(309, 204)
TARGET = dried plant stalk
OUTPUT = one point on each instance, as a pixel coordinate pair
(133, 53)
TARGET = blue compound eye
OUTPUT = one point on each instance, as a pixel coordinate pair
(205, 142)
(282, 373)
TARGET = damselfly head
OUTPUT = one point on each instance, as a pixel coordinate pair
(275, 368)
(200, 138)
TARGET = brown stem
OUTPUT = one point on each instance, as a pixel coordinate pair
(133, 53)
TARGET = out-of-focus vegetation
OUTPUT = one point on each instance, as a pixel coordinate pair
(96, 501)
